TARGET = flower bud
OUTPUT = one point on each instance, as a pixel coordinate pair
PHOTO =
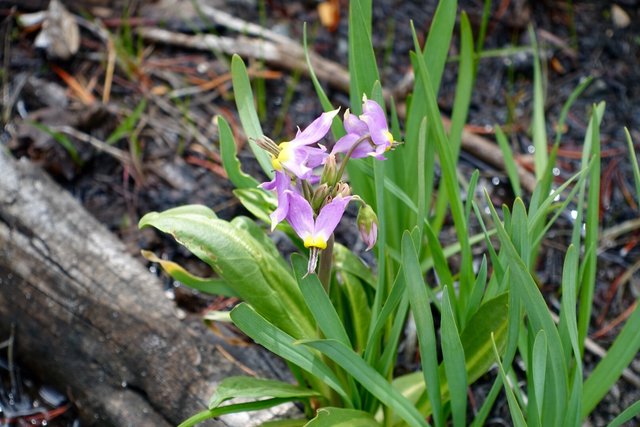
(330, 171)
(368, 225)
(319, 196)
(343, 189)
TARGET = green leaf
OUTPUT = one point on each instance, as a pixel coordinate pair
(247, 111)
(421, 310)
(607, 372)
(232, 409)
(347, 261)
(229, 160)
(509, 162)
(539, 318)
(359, 310)
(253, 273)
(277, 341)
(514, 408)
(634, 162)
(61, 139)
(370, 379)
(363, 68)
(539, 129)
(256, 388)
(257, 201)
(318, 302)
(626, 415)
(128, 125)
(454, 363)
(209, 285)
(336, 127)
(340, 417)
(539, 369)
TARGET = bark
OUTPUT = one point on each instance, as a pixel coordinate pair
(92, 320)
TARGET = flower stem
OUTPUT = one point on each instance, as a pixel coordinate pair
(326, 261)
(347, 156)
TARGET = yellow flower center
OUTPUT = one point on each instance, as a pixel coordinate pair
(283, 156)
(315, 242)
(390, 139)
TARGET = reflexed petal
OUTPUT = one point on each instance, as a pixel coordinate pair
(316, 130)
(344, 144)
(316, 156)
(281, 182)
(330, 216)
(300, 214)
(352, 124)
(382, 137)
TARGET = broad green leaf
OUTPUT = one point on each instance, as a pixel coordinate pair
(253, 273)
(233, 409)
(259, 202)
(256, 388)
(247, 111)
(340, 417)
(229, 160)
(421, 310)
(620, 354)
(454, 363)
(369, 378)
(277, 341)
(260, 235)
(209, 285)
(318, 302)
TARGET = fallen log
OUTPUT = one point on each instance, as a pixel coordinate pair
(93, 321)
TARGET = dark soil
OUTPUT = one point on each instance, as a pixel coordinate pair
(179, 161)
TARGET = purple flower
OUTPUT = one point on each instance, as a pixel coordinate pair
(315, 233)
(369, 131)
(281, 183)
(298, 156)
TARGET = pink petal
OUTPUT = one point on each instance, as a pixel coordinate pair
(300, 214)
(352, 124)
(330, 216)
(316, 130)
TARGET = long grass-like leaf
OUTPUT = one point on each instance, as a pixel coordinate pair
(454, 363)
(634, 162)
(230, 162)
(247, 111)
(607, 372)
(421, 310)
(370, 379)
(282, 344)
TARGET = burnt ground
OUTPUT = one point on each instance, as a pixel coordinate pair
(179, 163)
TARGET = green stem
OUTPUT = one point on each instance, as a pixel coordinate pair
(326, 261)
(347, 156)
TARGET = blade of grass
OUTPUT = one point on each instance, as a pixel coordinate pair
(247, 111)
(421, 310)
(634, 162)
(370, 379)
(282, 344)
(454, 363)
